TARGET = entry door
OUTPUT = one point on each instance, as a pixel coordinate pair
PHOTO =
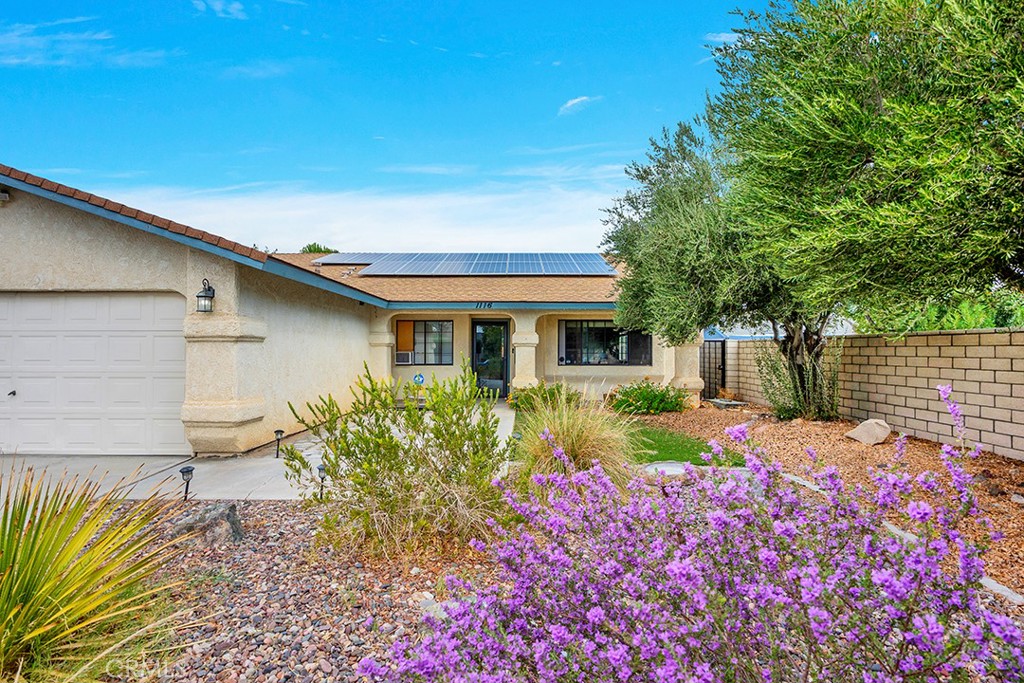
(490, 355)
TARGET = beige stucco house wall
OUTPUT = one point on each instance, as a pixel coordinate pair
(267, 342)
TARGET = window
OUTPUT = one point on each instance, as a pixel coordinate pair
(600, 342)
(429, 341)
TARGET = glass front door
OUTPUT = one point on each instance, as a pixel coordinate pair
(490, 355)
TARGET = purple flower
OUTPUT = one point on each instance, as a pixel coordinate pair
(737, 433)
(919, 511)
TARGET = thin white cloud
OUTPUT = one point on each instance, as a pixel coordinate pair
(264, 68)
(51, 43)
(226, 9)
(567, 173)
(428, 169)
(722, 37)
(536, 217)
(563, 149)
(577, 103)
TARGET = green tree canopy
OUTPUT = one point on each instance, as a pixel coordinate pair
(316, 248)
(876, 147)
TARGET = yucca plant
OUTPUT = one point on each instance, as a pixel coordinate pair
(74, 563)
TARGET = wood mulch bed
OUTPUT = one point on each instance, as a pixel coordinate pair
(998, 477)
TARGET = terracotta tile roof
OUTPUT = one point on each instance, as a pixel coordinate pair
(129, 212)
(453, 288)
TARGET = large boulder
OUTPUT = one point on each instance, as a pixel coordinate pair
(213, 525)
(870, 432)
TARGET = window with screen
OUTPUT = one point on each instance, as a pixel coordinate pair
(600, 342)
(429, 341)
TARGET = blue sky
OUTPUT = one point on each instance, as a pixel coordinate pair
(382, 126)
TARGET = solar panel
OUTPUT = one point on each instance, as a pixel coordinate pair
(350, 258)
(489, 263)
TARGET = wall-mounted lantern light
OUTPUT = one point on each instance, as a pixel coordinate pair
(186, 476)
(204, 299)
(278, 434)
(322, 471)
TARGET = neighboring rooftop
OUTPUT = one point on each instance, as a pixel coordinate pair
(470, 264)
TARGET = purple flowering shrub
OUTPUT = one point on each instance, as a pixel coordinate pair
(726, 576)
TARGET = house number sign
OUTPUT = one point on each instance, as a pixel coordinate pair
(484, 304)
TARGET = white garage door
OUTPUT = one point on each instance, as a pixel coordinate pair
(84, 373)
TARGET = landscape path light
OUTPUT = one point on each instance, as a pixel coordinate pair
(186, 476)
(278, 434)
(322, 471)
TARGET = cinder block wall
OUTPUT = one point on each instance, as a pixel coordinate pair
(895, 380)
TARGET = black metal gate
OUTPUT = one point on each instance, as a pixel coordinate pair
(712, 367)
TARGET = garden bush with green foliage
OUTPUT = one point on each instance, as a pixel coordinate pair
(76, 566)
(398, 476)
(809, 389)
(588, 433)
(647, 398)
(528, 399)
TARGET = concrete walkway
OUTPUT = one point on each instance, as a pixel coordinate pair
(255, 476)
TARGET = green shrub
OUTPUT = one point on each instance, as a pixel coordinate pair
(526, 400)
(647, 398)
(398, 477)
(75, 567)
(587, 432)
(810, 391)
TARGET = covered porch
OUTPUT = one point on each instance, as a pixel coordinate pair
(513, 348)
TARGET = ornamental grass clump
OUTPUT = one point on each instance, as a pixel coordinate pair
(587, 432)
(76, 565)
(723, 576)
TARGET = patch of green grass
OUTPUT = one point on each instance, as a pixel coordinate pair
(668, 445)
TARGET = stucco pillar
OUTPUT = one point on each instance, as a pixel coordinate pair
(524, 350)
(217, 345)
(382, 345)
(682, 368)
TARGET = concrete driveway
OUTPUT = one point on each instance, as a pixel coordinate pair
(256, 476)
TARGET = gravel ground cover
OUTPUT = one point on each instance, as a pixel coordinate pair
(999, 478)
(278, 606)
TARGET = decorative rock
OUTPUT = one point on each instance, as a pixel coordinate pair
(870, 432)
(1017, 498)
(215, 524)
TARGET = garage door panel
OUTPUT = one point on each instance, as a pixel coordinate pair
(127, 433)
(168, 392)
(169, 351)
(35, 350)
(38, 311)
(129, 392)
(80, 433)
(35, 392)
(127, 350)
(127, 310)
(83, 391)
(83, 350)
(95, 373)
(37, 435)
(85, 309)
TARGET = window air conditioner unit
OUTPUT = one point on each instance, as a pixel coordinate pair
(403, 357)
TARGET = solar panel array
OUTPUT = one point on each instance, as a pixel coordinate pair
(352, 258)
(471, 263)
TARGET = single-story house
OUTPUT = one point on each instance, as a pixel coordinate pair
(124, 332)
